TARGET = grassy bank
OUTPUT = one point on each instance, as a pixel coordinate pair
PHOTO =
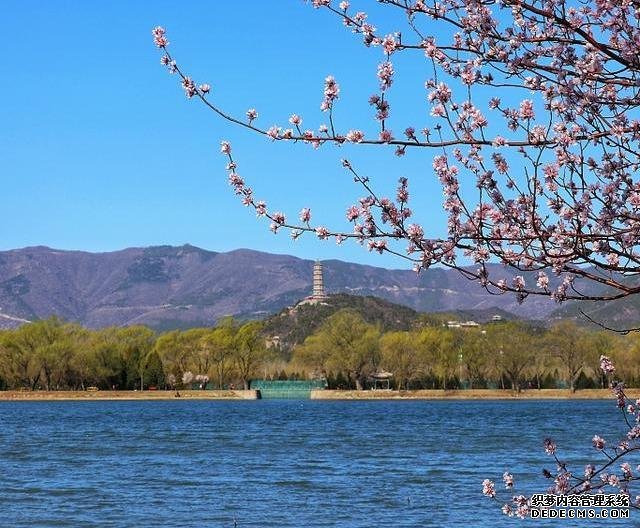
(474, 394)
(471, 394)
(126, 395)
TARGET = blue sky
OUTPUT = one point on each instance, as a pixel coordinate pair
(100, 149)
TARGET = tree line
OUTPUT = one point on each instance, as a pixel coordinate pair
(344, 349)
(54, 355)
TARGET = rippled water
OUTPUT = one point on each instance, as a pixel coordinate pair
(281, 463)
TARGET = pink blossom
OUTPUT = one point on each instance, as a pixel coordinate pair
(236, 181)
(386, 136)
(322, 233)
(634, 432)
(377, 245)
(389, 44)
(499, 141)
(353, 213)
(295, 119)
(508, 480)
(488, 488)
(225, 147)
(518, 282)
(205, 88)
(522, 509)
(344, 5)
(550, 446)
(189, 87)
(441, 94)
(613, 259)
(415, 232)
(589, 471)
(438, 111)
(360, 16)
(543, 280)
(278, 218)
(598, 442)
(526, 109)
(159, 38)
(273, 132)
(305, 215)
(355, 136)
(251, 114)
(261, 208)
(385, 75)
(606, 365)
(331, 92)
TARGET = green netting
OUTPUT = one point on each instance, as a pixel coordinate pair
(287, 389)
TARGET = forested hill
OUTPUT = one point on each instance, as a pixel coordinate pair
(180, 287)
(293, 326)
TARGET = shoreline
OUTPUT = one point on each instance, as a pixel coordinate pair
(124, 395)
(471, 394)
(334, 395)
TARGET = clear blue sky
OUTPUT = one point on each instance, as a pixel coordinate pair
(100, 150)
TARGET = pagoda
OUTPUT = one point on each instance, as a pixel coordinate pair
(318, 294)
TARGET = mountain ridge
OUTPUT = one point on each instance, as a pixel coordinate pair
(185, 286)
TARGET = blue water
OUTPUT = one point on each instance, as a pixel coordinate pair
(283, 463)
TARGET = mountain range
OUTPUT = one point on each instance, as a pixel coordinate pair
(179, 287)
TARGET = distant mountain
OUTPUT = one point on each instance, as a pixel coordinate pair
(622, 314)
(179, 287)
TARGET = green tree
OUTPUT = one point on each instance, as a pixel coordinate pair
(513, 345)
(134, 344)
(399, 355)
(175, 353)
(565, 341)
(99, 362)
(313, 354)
(26, 348)
(441, 352)
(153, 370)
(344, 343)
(219, 344)
(196, 353)
(249, 351)
(476, 356)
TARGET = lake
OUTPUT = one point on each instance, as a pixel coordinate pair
(284, 463)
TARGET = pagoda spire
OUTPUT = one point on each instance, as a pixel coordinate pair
(318, 282)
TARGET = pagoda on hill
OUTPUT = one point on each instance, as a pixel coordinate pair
(318, 294)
